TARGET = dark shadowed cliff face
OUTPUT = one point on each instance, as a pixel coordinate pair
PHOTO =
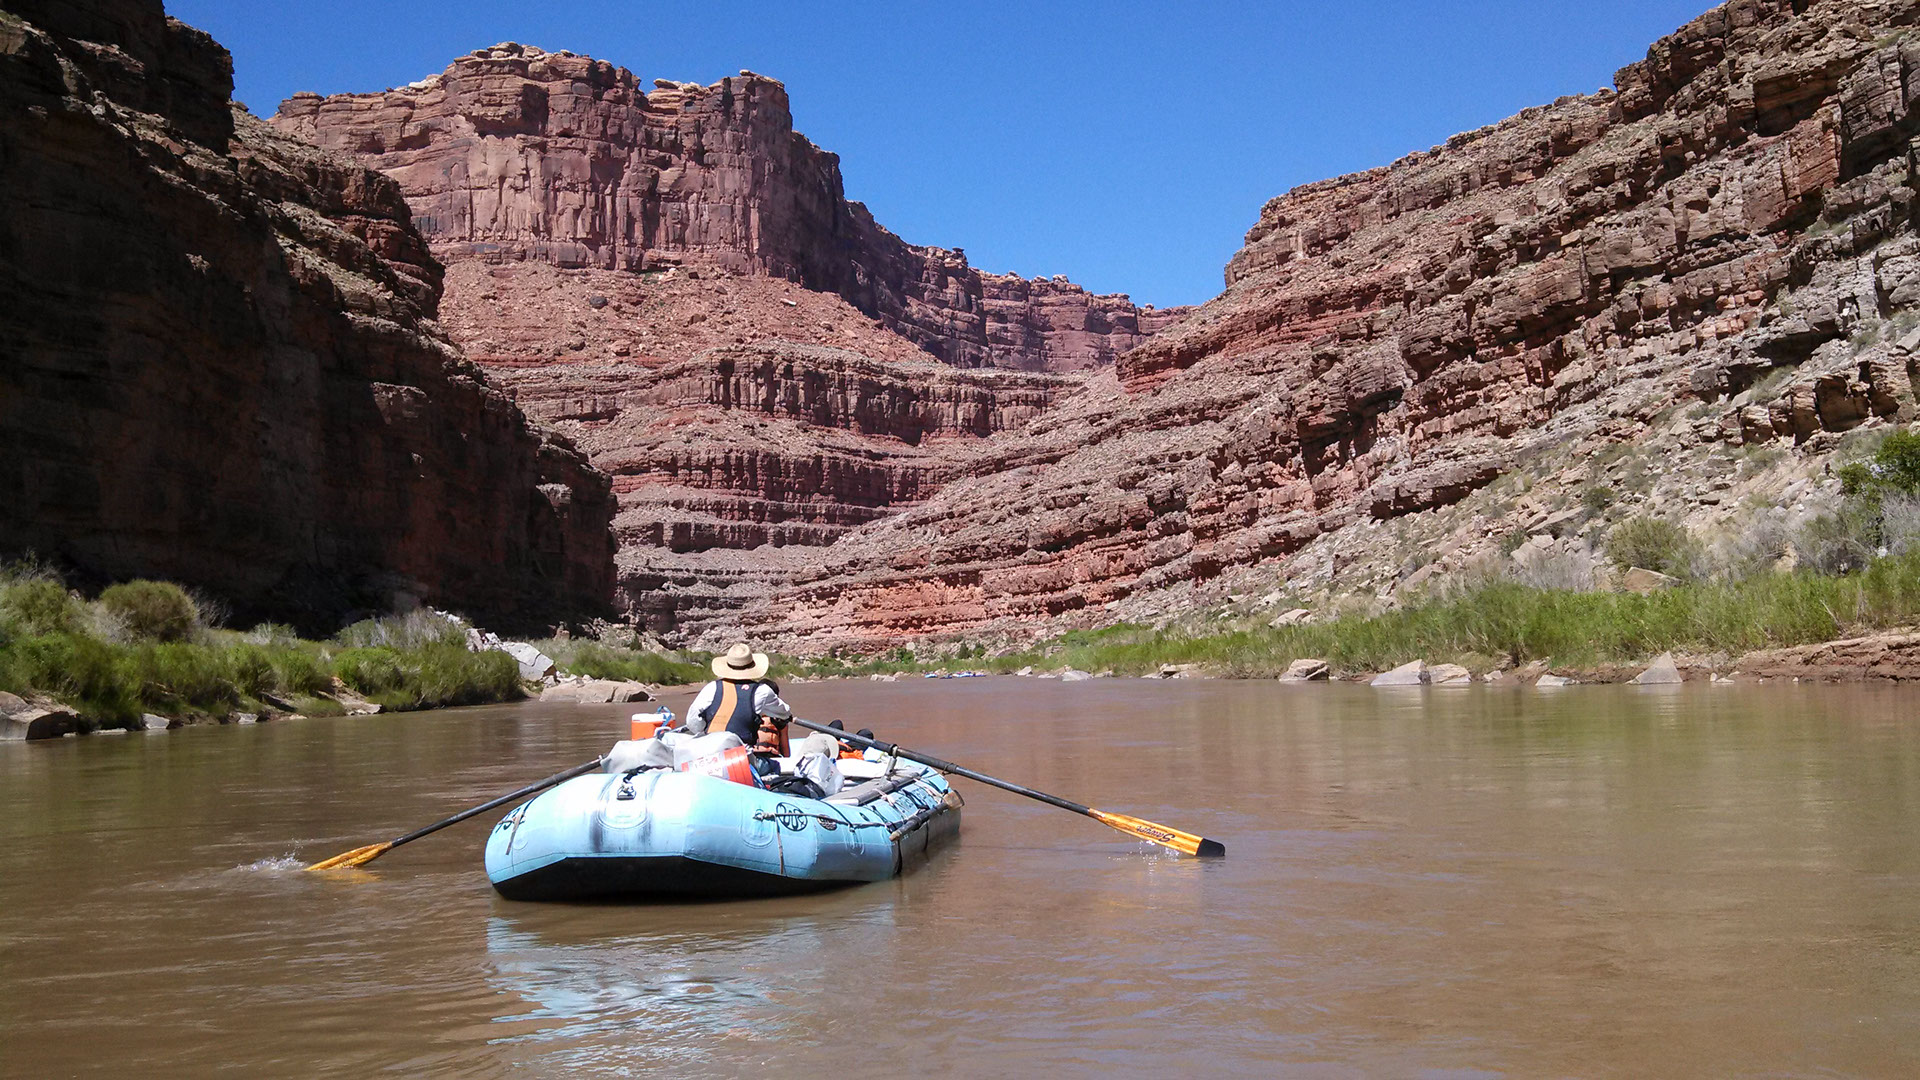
(1672, 298)
(218, 362)
(515, 153)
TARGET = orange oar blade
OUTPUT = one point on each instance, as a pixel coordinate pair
(1185, 843)
(357, 857)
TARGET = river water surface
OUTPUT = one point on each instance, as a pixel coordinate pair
(1598, 881)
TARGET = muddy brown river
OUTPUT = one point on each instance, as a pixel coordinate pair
(1598, 881)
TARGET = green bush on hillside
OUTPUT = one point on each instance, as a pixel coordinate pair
(1653, 544)
(1893, 469)
(38, 605)
(152, 610)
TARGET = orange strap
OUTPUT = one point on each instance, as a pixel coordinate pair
(723, 709)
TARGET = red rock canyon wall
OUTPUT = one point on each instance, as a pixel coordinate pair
(218, 360)
(1717, 254)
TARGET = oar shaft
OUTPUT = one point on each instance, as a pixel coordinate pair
(541, 785)
(1150, 831)
(947, 767)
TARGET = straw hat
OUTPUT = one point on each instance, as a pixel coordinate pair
(741, 664)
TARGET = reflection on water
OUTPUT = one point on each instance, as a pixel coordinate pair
(1487, 882)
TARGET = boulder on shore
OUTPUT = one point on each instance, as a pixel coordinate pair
(1662, 672)
(596, 692)
(1074, 675)
(1550, 680)
(1408, 674)
(25, 721)
(1307, 669)
(1448, 675)
(534, 664)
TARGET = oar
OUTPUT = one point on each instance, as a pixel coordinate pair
(360, 856)
(1186, 843)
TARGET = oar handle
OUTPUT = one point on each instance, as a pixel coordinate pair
(539, 785)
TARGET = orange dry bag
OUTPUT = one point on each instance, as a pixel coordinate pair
(735, 764)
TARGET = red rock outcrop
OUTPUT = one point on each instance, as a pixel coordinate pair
(1619, 273)
(513, 153)
(218, 360)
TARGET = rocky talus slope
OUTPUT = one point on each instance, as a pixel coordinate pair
(675, 279)
(1682, 296)
(219, 362)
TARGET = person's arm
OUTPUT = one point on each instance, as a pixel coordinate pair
(697, 712)
(766, 702)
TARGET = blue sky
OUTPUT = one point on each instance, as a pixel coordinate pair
(1126, 145)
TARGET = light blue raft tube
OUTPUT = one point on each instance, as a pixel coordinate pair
(665, 833)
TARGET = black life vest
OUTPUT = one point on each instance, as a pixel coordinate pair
(732, 710)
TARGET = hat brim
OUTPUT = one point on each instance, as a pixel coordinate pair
(758, 671)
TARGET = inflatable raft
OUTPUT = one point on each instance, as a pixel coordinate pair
(663, 832)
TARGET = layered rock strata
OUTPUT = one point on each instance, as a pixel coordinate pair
(218, 359)
(515, 154)
(1629, 302)
(731, 462)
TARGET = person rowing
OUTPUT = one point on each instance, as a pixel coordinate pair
(738, 697)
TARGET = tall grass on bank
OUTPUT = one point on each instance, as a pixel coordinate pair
(1495, 622)
(601, 661)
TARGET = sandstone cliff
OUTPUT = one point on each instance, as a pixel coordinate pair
(675, 279)
(1672, 297)
(513, 153)
(218, 359)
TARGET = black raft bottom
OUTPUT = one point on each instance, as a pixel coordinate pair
(658, 876)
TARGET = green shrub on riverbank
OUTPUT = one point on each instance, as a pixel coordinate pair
(153, 610)
(145, 646)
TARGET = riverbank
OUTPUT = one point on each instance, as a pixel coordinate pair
(1774, 622)
(145, 655)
